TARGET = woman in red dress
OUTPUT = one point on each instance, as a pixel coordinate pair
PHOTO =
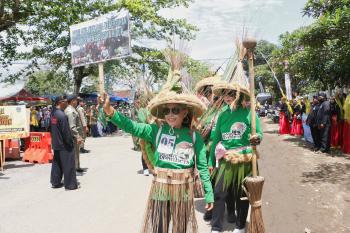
(297, 125)
(346, 127)
(284, 127)
(335, 123)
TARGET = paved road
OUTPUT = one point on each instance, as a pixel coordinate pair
(303, 190)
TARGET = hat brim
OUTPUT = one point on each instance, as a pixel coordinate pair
(206, 82)
(219, 87)
(191, 102)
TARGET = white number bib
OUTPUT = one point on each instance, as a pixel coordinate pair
(166, 144)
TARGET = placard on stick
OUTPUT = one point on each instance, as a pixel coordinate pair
(101, 39)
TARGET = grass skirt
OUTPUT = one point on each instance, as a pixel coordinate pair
(170, 204)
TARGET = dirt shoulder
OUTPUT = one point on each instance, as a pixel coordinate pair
(303, 190)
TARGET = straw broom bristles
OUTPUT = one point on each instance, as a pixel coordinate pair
(255, 187)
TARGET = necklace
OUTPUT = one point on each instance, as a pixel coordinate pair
(171, 131)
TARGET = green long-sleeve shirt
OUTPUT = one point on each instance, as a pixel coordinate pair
(233, 129)
(172, 151)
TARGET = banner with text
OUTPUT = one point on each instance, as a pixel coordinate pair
(101, 39)
(288, 86)
(14, 122)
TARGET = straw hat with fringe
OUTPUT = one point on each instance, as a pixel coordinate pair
(219, 87)
(191, 102)
(172, 93)
(209, 81)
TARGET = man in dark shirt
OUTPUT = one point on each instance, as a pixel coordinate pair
(311, 121)
(323, 120)
(62, 143)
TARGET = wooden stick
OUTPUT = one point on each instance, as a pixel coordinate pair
(101, 81)
(252, 105)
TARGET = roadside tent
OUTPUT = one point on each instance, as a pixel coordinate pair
(23, 96)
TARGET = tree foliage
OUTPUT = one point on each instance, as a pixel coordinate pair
(48, 82)
(318, 55)
(46, 34)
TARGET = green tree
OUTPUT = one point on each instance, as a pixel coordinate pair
(47, 32)
(48, 82)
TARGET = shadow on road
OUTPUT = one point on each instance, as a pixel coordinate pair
(271, 132)
(334, 173)
(2, 176)
(298, 141)
(11, 165)
(199, 205)
(269, 121)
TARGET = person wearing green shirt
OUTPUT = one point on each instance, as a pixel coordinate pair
(231, 146)
(208, 120)
(178, 150)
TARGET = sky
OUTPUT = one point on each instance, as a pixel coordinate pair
(221, 21)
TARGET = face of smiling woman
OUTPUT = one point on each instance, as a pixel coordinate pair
(174, 114)
(229, 96)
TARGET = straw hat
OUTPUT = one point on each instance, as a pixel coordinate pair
(220, 86)
(209, 81)
(192, 102)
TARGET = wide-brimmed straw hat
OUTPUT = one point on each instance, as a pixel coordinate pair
(222, 86)
(209, 81)
(192, 102)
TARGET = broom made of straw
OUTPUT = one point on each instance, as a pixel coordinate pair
(255, 183)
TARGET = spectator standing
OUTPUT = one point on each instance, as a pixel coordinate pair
(323, 121)
(93, 121)
(76, 128)
(34, 123)
(311, 121)
(82, 115)
(63, 163)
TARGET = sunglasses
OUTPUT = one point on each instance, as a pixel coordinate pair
(230, 93)
(175, 111)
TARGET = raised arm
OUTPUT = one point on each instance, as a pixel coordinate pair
(140, 130)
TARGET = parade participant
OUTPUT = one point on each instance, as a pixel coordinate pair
(346, 127)
(335, 123)
(82, 116)
(63, 146)
(323, 121)
(297, 124)
(232, 148)
(76, 128)
(284, 127)
(178, 150)
(208, 120)
(311, 121)
(339, 100)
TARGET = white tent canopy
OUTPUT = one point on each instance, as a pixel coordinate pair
(7, 90)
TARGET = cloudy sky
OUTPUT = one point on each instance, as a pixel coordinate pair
(219, 21)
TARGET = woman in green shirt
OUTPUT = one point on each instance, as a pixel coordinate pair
(178, 148)
(232, 148)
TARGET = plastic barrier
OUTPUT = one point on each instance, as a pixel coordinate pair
(39, 150)
(12, 149)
